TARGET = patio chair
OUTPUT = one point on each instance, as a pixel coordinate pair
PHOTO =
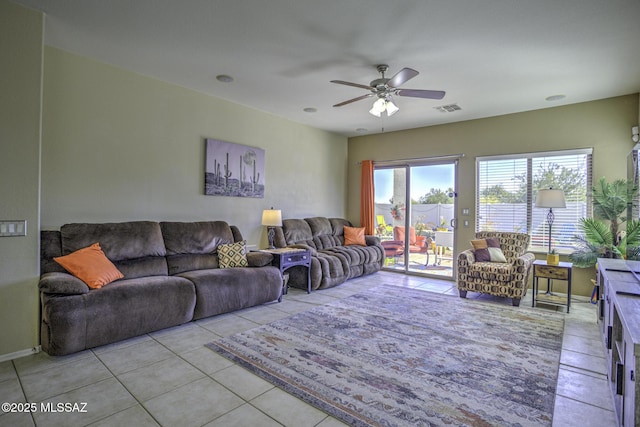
(417, 244)
(478, 270)
(382, 227)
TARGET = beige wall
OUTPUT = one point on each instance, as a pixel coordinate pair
(604, 125)
(21, 32)
(119, 146)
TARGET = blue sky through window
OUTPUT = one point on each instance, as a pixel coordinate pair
(423, 179)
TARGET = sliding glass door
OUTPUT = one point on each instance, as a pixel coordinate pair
(415, 203)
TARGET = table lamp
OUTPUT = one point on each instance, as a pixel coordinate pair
(550, 198)
(271, 218)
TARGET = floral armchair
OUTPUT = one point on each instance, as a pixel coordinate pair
(504, 279)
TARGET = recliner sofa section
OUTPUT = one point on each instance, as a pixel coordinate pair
(171, 276)
(332, 263)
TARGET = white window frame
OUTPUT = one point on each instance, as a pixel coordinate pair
(523, 216)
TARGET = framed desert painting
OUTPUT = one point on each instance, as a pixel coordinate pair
(233, 170)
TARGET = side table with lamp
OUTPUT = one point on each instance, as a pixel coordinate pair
(284, 258)
(551, 268)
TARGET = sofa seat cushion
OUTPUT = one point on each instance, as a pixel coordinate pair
(222, 290)
(492, 271)
(124, 309)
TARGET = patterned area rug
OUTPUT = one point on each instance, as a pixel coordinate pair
(393, 356)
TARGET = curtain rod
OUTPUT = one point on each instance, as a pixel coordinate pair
(415, 160)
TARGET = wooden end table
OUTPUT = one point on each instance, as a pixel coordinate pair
(562, 271)
(285, 258)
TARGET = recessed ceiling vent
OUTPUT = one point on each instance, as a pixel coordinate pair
(448, 108)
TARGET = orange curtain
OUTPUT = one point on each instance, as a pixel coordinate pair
(367, 206)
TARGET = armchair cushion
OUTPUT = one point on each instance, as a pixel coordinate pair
(488, 250)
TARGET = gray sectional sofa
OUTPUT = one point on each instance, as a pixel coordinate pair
(332, 263)
(171, 276)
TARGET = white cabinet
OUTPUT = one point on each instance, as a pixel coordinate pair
(619, 318)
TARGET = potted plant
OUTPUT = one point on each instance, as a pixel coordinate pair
(396, 211)
(553, 257)
(602, 236)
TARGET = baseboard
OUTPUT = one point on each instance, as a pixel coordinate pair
(18, 354)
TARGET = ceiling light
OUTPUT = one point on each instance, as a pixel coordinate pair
(224, 78)
(391, 108)
(381, 105)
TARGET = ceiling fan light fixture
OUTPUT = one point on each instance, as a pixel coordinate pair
(378, 107)
(391, 108)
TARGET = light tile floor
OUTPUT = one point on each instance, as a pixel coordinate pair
(169, 378)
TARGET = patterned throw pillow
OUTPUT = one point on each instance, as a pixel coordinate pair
(233, 255)
(488, 250)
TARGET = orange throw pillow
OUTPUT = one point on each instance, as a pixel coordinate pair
(354, 236)
(91, 266)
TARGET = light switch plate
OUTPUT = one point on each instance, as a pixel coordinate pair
(13, 228)
(465, 211)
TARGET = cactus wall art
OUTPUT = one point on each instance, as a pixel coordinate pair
(233, 169)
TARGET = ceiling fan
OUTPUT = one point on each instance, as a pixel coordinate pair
(384, 89)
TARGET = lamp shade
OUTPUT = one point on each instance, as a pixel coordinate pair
(272, 217)
(550, 198)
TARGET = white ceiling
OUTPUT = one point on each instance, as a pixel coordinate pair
(492, 57)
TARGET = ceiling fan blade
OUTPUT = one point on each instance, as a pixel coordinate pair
(417, 93)
(341, 82)
(354, 100)
(402, 76)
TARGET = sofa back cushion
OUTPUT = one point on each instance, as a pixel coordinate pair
(323, 233)
(136, 248)
(194, 245)
(297, 231)
(50, 247)
(338, 225)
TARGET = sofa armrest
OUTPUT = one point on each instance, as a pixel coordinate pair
(372, 240)
(313, 251)
(62, 284)
(259, 259)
